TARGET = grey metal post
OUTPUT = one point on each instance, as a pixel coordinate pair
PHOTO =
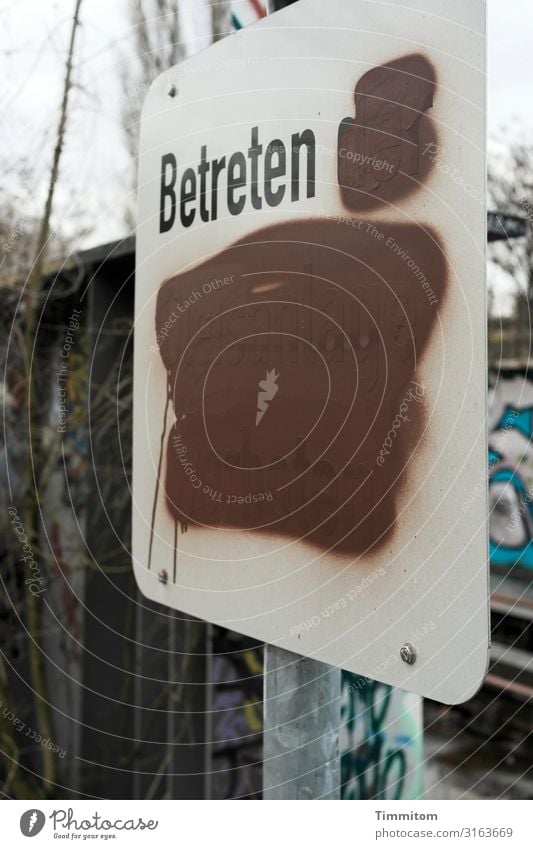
(301, 719)
(301, 713)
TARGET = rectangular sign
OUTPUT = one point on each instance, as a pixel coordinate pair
(310, 342)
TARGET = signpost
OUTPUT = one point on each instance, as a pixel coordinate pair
(302, 716)
(310, 359)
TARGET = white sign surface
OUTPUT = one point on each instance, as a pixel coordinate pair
(310, 369)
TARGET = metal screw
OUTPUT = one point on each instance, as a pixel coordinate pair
(163, 576)
(172, 91)
(408, 653)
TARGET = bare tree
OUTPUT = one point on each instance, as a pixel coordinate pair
(36, 456)
(220, 19)
(510, 185)
(158, 44)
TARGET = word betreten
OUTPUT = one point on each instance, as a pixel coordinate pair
(260, 176)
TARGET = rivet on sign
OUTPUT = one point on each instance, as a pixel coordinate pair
(408, 653)
(163, 576)
(172, 91)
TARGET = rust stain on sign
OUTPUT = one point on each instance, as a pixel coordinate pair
(314, 326)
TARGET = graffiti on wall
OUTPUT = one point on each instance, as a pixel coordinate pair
(381, 741)
(511, 472)
(237, 716)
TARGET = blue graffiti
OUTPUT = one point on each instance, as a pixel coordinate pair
(501, 554)
(519, 419)
(373, 766)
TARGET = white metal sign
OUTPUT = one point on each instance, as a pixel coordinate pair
(309, 424)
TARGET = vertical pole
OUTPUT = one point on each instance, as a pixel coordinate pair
(301, 712)
(137, 691)
(171, 708)
(301, 719)
(209, 724)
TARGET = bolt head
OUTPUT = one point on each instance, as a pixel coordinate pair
(163, 576)
(408, 653)
(172, 91)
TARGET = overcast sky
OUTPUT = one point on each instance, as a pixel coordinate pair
(510, 82)
(95, 167)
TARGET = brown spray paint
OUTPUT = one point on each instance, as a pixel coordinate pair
(290, 354)
(379, 151)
